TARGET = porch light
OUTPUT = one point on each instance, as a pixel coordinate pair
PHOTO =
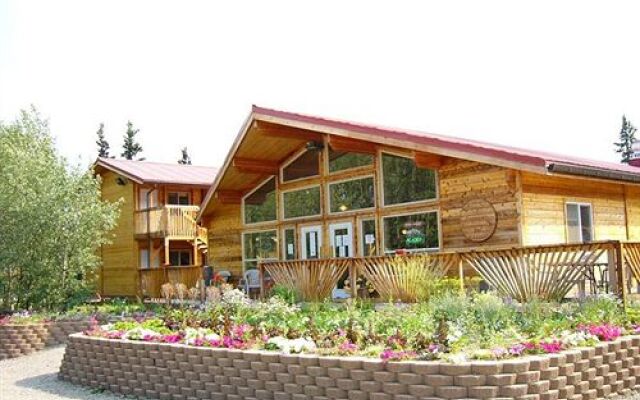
(314, 146)
(343, 207)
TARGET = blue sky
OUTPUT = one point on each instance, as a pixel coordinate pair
(546, 75)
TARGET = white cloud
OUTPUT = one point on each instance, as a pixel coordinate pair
(547, 75)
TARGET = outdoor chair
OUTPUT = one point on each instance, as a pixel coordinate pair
(250, 280)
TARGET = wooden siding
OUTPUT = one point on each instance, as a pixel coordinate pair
(225, 239)
(544, 199)
(461, 181)
(120, 258)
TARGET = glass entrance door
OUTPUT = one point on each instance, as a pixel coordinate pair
(341, 235)
(310, 241)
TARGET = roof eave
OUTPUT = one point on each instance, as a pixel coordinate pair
(593, 172)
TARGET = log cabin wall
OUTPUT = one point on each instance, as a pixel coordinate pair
(544, 200)
(120, 258)
(494, 190)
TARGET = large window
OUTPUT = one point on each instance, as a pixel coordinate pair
(404, 182)
(260, 206)
(351, 195)
(301, 203)
(411, 232)
(579, 223)
(259, 246)
(341, 160)
(180, 257)
(306, 165)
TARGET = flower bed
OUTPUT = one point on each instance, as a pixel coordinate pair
(179, 371)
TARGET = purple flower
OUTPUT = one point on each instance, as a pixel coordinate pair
(604, 332)
(396, 355)
(347, 347)
(517, 349)
(174, 338)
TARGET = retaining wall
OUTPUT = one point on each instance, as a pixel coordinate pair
(21, 339)
(179, 372)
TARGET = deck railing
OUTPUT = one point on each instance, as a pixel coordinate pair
(152, 279)
(168, 221)
(548, 272)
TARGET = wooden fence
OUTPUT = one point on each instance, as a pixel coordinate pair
(152, 279)
(549, 272)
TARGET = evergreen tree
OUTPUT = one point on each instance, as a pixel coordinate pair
(103, 145)
(627, 137)
(186, 159)
(130, 147)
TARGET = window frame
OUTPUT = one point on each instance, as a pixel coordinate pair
(242, 247)
(181, 251)
(383, 244)
(284, 242)
(292, 159)
(566, 220)
(360, 234)
(370, 167)
(258, 186)
(313, 185)
(347, 212)
(381, 181)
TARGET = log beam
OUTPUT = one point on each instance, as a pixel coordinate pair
(339, 143)
(286, 132)
(229, 196)
(426, 160)
(255, 166)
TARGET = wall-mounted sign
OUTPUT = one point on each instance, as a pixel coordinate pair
(479, 220)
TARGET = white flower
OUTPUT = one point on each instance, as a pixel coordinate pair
(578, 338)
(292, 345)
(191, 335)
(234, 297)
(139, 333)
(456, 358)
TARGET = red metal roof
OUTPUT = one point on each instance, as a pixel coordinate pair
(506, 153)
(154, 172)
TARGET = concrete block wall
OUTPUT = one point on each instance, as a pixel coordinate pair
(21, 339)
(178, 372)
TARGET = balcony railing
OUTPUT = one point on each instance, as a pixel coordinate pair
(152, 279)
(168, 221)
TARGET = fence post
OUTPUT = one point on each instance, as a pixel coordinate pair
(261, 277)
(352, 278)
(461, 272)
(612, 269)
(621, 272)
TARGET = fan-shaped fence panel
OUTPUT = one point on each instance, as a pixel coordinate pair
(631, 255)
(406, 278)
(312, 280)
(541, 272)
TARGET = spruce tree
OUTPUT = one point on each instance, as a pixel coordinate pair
(186, 159)
(103, 145)
(130, 147)
(627, 137)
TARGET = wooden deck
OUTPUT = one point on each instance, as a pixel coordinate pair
(523, 273)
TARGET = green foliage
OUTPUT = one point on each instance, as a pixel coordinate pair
(130, 147)
(606, 309)
(285, 293)
(52, 223)
(627, 137)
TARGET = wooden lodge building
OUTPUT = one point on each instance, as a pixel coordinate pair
(301, 187)
(157, 238)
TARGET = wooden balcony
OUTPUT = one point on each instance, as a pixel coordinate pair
(173, 222)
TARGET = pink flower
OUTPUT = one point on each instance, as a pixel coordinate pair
(554, 346)
(396, 355)
(174, 338)
(347, 347)
(499, 352)
(604, 332)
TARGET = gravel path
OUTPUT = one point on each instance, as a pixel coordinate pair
(35, 377)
